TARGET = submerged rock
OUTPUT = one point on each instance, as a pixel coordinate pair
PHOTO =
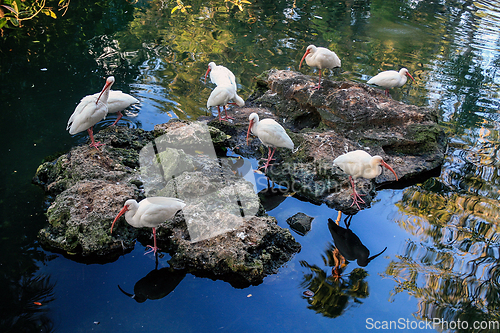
(300, 223)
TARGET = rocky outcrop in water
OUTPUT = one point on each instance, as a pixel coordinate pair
(223, 231)
(325, 123)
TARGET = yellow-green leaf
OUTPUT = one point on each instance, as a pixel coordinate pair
(16, 8)
(174, 9)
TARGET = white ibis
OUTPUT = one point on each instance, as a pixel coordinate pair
(270, 133)
(117, 101)
(358, 164)
(390, 79)
(89, 112)
(320, 57)
(221, 96)
(150, 212)
(221, 76)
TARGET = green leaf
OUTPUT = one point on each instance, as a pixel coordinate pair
(14, 21)
(3, 21)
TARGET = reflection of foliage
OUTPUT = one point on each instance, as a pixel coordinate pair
(239, 3)
(455, 269)
(332, 293)
(180, 5)
(24, 306)
(14, 12)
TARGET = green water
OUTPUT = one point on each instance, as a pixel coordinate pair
(442, 235)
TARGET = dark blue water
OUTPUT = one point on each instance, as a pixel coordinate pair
(441, 234)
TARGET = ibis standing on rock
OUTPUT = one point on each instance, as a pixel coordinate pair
(150, 212)
(320, 57)
(221, 96)
(358, 164)
(271, 134)
(225, 91)
(390, 79)
(89, 112)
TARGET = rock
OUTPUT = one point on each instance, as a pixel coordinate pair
(221, 232)
(80, 219)
(340, 117)
(300, 223)
(256, 249)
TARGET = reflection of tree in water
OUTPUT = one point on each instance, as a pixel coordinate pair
(453, 268)
(24, 305)
(333, 293)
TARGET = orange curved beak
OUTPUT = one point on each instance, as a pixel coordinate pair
(411, 77)
(303, 57)
(208, 71)
(123, 211)
(106, 86)
(389, 167)
(249, 129)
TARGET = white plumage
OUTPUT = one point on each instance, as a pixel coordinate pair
(117, 102)
(390, 79)
(150, 212)
(320, 57)
(359, 164)
(270, 133)
(90, 111)
(221, 76)
(221, 96)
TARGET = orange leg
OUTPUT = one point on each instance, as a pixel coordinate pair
(120, 115)
(356, 198)
(269, 159)
(153, 248)
(93, 143)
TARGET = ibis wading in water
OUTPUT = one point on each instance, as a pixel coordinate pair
(221, 96)
(150, 212)
(320, 57)
(358, 164)
(390, 79)
(270, 133)
(89, 112)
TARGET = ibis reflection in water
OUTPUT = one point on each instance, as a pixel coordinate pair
(348, 244)
(156, 284)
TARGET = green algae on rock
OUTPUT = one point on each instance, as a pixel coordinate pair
(89, 187)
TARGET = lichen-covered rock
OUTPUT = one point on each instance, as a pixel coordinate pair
(325, 123)
(80, 218)
(219, 225)
(255, 249)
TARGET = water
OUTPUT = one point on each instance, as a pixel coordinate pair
(441, 235)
